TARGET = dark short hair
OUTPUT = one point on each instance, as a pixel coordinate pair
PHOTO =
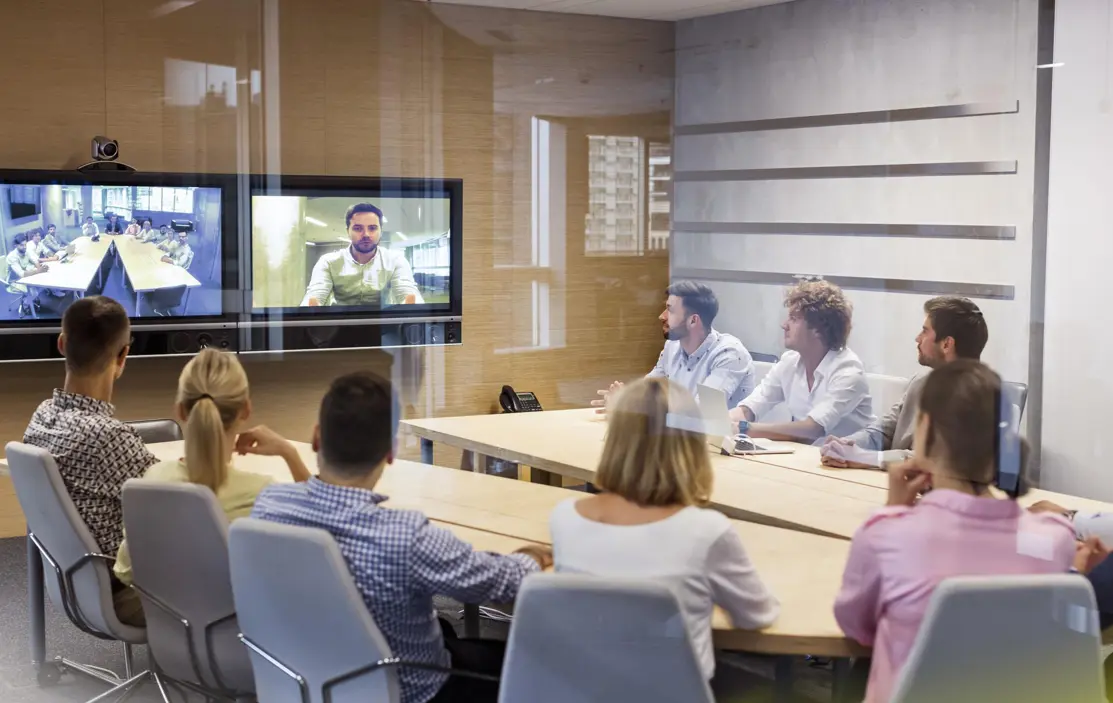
(19, 238)
(824, 308)
(96, 330)
(52, 226)
(358, 208)
(88, 217)
(961, 320)
(358, 423)
(963, 401)
(697, 299)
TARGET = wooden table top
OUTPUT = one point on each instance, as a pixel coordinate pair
(501, 514)
(785, 490)
(77, 272)
(145, 268)
(570, 442)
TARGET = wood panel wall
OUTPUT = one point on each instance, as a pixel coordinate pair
(365, 87)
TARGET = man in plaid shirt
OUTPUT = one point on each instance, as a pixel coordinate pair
(95, 452)
(398, 559)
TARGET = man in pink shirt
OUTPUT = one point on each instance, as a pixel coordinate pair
(907, 548)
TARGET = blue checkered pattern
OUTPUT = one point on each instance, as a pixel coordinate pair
(399, 561)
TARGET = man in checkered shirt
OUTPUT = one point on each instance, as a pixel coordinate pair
(94, 451)
(399, 560)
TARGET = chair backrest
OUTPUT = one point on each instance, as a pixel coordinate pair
(296, 601)
(578, 638)
(153, 431)
(177, 536)
(1006, 638)
(885, 391)
(1017, 393)
(78, 583)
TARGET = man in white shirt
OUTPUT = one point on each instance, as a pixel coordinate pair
(954, 328)
(51, 241)
(363, 273)
(695, 353)
(90, 229)
(821, 381)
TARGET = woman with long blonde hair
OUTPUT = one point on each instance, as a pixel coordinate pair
(214, 403)
(650, 520)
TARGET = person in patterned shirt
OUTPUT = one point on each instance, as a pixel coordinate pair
(398, 558)
(95, 452)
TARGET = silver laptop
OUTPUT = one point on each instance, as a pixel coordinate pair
(717, 426)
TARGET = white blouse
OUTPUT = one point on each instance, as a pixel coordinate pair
(696, 551)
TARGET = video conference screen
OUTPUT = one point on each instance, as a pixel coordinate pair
(351, 254)
(154, 249)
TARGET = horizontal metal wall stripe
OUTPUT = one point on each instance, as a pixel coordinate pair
(888, 285)
(852, 229)
(933, 112)
(951, 168)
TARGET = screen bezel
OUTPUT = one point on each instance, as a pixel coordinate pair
(367, 189)
(231, 300)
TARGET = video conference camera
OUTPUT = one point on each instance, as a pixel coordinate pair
(105, 154)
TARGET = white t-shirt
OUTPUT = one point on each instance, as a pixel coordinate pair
(839, 399)
(696, 552)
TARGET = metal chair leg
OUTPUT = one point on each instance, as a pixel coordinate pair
(121, 689)
(127, 661)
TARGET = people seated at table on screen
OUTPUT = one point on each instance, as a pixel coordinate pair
(90, 228)
(954, 328)
(21, 263)
(696, 353)
(95, 452)
(35, 248)
(51, 241)
(650, 522)
(214, 405)
(146, 234)
(362, 273)
(941, 520)
(114, 225)
(181, 254)
(819, 378)
(133, 227)
(169, 241)
(399, 560)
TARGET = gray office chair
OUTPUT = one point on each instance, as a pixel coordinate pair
(585, 639)
(1020, 639)
(76, 574)
(153, 431)
(1017, 393)
(309, 634)
(177, 536)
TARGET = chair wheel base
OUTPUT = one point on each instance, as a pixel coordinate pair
(49, 674)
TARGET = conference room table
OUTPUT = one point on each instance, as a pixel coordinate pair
(498, 514)
(792, 490)
(142, 263)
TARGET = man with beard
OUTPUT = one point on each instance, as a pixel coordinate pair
(954, 328)
(695, 353)
(362, 274)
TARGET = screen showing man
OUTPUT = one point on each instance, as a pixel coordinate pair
(356, 253)
(101, 240)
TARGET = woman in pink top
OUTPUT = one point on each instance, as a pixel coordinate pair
(907, 548)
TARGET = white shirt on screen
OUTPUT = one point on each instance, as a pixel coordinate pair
(351, 283)
(838, 401)
(696, 551)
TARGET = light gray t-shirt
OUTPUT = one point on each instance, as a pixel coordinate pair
(697, 552)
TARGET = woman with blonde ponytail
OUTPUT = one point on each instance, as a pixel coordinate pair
(214, 404)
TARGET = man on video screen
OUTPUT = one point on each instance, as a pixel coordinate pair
(364, 273)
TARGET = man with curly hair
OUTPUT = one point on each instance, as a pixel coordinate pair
(822, 382)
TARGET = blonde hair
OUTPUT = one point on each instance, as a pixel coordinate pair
(212, 392)
(655, 452)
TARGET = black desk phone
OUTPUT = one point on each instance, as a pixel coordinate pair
(514, 402)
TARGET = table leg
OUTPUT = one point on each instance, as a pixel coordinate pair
(426, 451)
(471, 620)
(782, 680)
(137, 294)
(36, 607)
(478, 463)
